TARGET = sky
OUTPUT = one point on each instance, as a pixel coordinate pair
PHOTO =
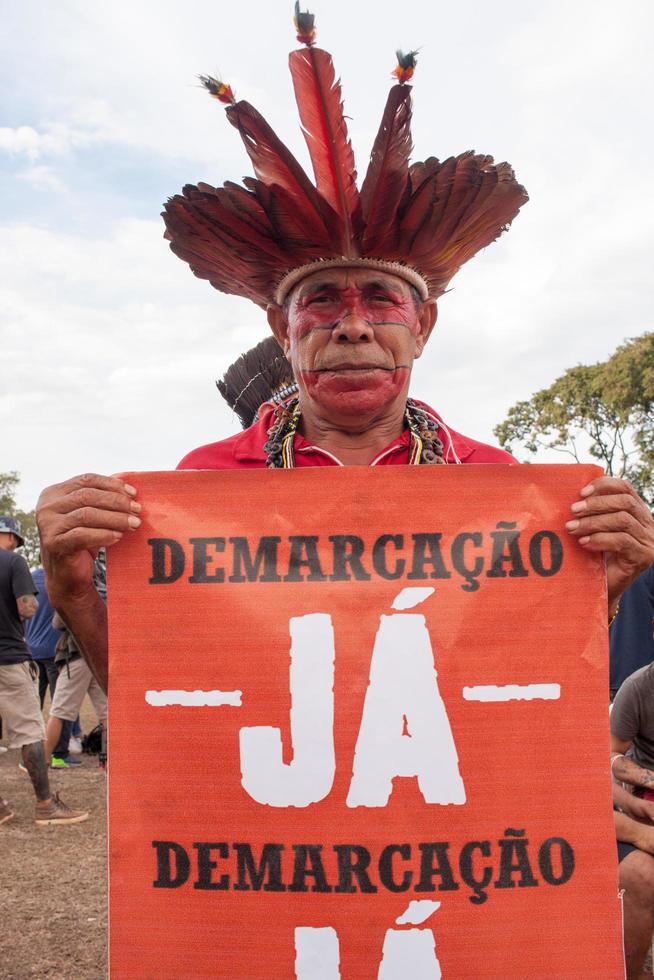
(110, 346)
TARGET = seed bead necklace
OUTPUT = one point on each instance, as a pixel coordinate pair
(426, 448)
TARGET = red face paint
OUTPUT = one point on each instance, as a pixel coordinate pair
(325, 306)
(353, 339)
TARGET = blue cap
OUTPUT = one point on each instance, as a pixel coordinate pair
(9, 525)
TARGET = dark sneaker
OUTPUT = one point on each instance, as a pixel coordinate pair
(64, 762)
(5, 813)
(55, 811)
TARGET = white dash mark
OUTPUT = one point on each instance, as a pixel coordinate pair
(194, 699)
(417, 912)
(413, 596)
(512, 692)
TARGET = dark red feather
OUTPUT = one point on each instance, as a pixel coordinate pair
(388, 173)
(274, 164)
(318, 97)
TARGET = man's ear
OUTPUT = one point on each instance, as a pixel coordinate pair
(426, 322)
(279, 326)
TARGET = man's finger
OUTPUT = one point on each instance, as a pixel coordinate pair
(629, 549)
(85, 481)
(607, 484)
(605, 503)
(84, 539)
(85, 497)
(93, 517)
(620, 521)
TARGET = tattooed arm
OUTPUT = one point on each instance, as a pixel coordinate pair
(625, 769)
(27, 606)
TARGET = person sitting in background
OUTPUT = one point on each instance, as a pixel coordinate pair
(632, 732)
(634, 831)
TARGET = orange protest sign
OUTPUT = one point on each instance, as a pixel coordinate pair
(358, 728)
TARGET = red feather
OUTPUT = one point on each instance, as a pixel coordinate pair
(274, 164)
(417, 212)
(388, 173)
(297, 233)
(318, 97)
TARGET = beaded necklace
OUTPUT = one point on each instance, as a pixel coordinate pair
(426, 448)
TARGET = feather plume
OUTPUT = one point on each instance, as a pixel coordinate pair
(275, 164)
(254, 378)
(318, 97)
(430, 216)
(457, 208)
(388, 173)
(305, 25)
(406, 65)
(415, 215)
(217, 89)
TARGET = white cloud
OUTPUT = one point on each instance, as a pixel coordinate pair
(42, 177)
(100, 379)
(58, 138)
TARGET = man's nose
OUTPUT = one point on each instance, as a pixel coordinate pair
(352, 329)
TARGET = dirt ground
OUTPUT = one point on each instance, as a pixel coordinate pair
(53, 880)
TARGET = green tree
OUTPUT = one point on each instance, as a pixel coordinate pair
(605, 409)
(8, 486)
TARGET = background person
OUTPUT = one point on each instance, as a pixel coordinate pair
(19, 702)
(632, 732)
(631, 638)
(42, 639)
(75, 679)
(74, 682)
(634, 830)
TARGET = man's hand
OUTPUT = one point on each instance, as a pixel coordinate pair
(640, 809)
(633, 806)
(75, 519)
(612, 518)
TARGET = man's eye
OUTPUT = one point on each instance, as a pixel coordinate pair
(381, 298)
(319, 299)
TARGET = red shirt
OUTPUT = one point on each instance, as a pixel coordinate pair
(245, 449)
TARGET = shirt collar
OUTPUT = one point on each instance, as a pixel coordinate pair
(250, 442)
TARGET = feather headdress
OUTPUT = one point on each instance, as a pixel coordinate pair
(421, 221)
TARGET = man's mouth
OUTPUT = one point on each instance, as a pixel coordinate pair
(347, 367)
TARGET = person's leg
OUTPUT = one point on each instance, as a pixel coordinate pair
(43, 681)
(53, 732)
(19, 704)
(637, 880)
(60, 751)
(99, 702)
(34, 761)
(72, 685)
(75, 740)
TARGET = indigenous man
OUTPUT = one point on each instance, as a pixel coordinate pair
(350, 282)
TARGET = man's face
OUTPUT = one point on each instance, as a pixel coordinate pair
(8, 541)
(352, 336)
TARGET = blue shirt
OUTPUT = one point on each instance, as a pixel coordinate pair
(631, 637)
(39, 632)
